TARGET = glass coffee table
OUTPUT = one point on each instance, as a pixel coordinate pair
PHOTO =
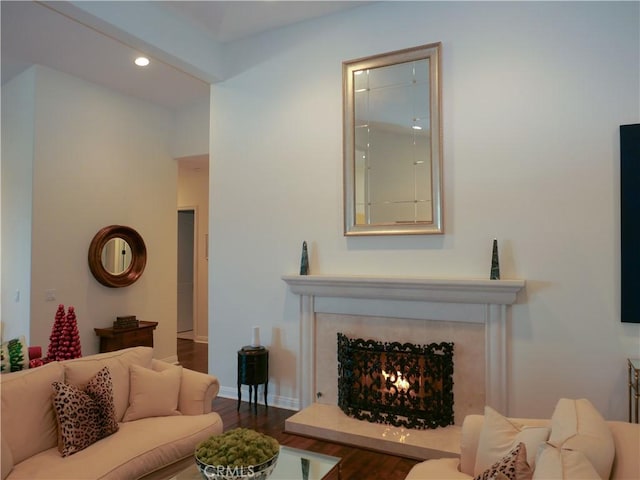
(293, 464)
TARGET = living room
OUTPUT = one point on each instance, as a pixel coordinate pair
(533, 97)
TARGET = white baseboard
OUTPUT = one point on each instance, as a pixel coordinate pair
(172, 359)
(278, 401)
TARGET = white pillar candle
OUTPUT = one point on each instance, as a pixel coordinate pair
(255, 342)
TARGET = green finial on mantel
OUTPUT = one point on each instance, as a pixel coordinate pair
(304, 263)
(495, 263)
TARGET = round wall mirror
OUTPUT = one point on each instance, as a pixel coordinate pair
(117, 256)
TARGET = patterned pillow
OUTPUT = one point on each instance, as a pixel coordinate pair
(513, 466)
(84, 416)
(100, 389)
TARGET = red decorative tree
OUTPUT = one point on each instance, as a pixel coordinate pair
(64, 341)
(56, 331)
(74, 349)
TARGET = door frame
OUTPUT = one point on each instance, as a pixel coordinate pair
(195, 296)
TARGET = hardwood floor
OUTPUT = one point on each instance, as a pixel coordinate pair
(192, 355)
(357, 463)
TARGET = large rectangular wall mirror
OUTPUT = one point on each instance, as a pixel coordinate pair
(393, 143)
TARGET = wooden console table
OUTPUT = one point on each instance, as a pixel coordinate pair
(118, 338)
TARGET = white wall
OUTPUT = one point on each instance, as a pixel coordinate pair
(99, 158)
(17, 168)
(533, 94)
(190, 134)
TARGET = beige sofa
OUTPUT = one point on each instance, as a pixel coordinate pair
(576, 443)
(162, 412)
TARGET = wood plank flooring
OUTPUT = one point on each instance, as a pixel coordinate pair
(192, 355)
(357, 463)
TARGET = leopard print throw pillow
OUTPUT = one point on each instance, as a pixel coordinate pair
(84, 415)
(100, 388)
(512, 466)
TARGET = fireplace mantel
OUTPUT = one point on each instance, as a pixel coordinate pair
(408, 297)
(450, 290)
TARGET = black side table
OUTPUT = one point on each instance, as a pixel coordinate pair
(253, 369)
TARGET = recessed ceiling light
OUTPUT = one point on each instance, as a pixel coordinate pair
(141, 61)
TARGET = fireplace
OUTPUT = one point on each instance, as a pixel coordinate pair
(401, 384)
(472, 313)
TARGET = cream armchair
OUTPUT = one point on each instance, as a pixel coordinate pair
(576, 443)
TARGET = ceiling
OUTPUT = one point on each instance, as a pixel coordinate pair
(35, 33)
(233, 20)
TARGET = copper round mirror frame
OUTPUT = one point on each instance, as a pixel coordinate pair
(138, 256)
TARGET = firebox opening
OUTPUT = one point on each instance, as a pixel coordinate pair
(401, 384)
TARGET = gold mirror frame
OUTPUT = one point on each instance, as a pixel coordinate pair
(138, 256)
(349, 68)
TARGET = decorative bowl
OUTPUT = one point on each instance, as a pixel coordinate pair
(237, 454)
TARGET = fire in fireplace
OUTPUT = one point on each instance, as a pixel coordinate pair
(401, 384)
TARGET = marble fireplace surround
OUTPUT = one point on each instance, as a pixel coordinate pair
(444, 301)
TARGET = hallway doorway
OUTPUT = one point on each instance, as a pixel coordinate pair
(193, 253)
(186, 274)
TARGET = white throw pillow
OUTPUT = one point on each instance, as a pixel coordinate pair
(577, 425)
(500, 435)
(153, 394)
(560, 464)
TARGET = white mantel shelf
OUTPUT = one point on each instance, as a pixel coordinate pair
(450, 290)
(409, 297)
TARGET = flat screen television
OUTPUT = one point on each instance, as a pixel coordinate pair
(630, 222)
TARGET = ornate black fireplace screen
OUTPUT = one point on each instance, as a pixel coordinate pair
(401, 384)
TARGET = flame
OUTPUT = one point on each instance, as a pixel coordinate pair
(398, 381)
